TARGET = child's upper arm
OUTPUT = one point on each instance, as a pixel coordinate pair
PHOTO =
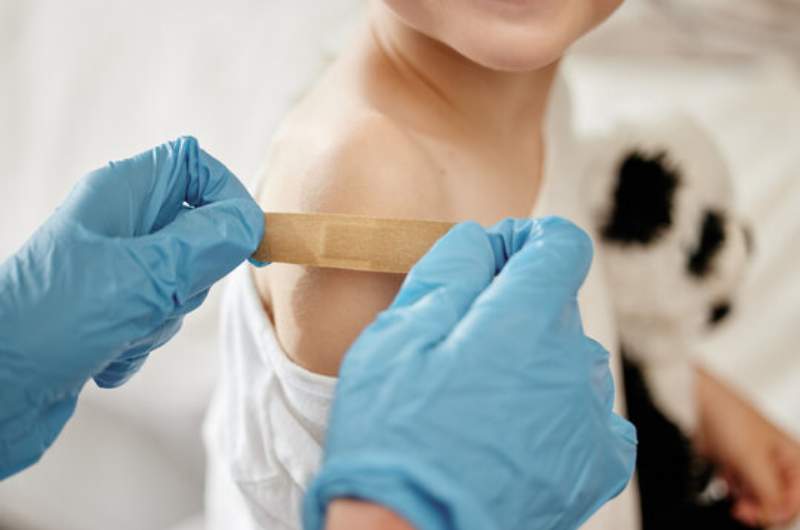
(374, 168)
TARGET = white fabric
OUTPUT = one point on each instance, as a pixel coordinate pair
(268, 416)
(266, 424)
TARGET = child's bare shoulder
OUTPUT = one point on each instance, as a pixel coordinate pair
(352, 160)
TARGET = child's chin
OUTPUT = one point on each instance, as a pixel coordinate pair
(513, 55)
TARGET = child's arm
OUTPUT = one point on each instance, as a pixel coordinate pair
(760, 462)
(373, 168)
(352, 514)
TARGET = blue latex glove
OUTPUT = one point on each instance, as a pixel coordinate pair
(475, 401)
(107, 279)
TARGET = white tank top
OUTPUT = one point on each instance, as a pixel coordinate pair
(266, 424)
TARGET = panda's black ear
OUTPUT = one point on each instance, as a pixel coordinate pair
(641, 201)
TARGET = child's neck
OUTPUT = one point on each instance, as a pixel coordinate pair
(495, 106)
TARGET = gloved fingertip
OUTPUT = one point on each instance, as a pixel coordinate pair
(459, 231)
(563, 238)
(627, 448)
(171, 156)
(568, 248)
(204, 244)
(441, 287)
(108, 382)
(185, 140)
(507, 237)
(459, 258)
(255, 219)
(624, 428)
(185, 145)
(249, 214)
(118, 373)
(555, 227)
(460, 244)
(184, 309)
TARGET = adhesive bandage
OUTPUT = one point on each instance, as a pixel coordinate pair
(347, 241)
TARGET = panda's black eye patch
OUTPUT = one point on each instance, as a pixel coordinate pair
(712, 236)
(719, 313)
(642, 200)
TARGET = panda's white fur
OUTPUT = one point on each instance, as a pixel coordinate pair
(661, 306)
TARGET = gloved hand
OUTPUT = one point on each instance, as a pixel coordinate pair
(107, 279)
(476, 401)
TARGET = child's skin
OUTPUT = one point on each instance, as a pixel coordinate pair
(759, 462)
(436, 112)
(405, 126)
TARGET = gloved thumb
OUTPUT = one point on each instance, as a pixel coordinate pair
(198, 248)
(439, 289)
(542, 275)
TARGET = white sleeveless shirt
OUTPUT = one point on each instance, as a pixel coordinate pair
(265, 428)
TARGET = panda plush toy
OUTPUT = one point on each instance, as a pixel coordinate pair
(675, 253)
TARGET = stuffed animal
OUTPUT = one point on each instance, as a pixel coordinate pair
(675, 252)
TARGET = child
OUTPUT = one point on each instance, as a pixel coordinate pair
(440, 110)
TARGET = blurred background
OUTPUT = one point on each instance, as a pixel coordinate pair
(87, 81)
